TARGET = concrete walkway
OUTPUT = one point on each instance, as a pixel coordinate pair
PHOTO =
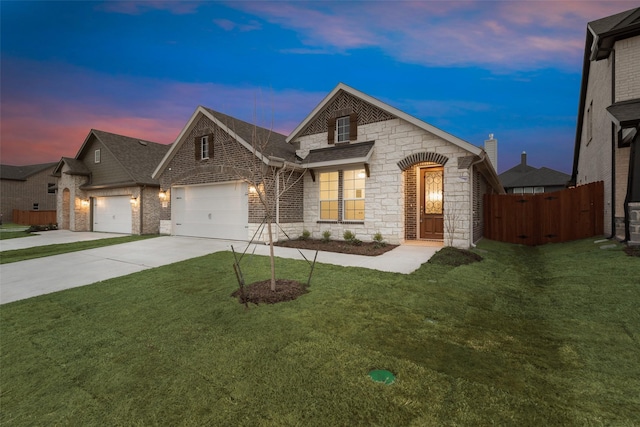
(40, 276)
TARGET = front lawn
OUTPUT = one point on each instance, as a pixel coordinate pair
(528, 336)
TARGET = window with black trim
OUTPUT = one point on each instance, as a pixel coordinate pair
(51, 188)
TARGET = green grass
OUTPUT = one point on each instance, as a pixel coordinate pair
(9, 230)
(7, 257)
(528, 336)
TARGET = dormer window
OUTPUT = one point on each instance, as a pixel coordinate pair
(96, 156)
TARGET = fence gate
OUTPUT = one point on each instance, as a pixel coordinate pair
(536, 219)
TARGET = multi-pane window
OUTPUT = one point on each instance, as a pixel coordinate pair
(353, 195)
(329, 196)
(51, 188)
(204, 147)
(342, 129)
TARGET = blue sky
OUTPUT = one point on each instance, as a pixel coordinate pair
(141, 68)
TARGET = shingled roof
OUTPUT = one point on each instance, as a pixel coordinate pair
(137, 157)
(524, 175)
(270, 143)
(21, 173)
(266, 143)
(340, 154)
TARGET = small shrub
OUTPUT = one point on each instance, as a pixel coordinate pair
(326, 235)
(305, 235)
(379, 241)
(348, 236)
(355, 242)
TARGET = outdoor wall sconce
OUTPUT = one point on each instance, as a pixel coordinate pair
(133, 200)
(252, 189)
(84, 203)
(163, 195)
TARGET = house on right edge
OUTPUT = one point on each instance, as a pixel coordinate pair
(608, 126)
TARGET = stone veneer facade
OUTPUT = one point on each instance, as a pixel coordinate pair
(390, 192)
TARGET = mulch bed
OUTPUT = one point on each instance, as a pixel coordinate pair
(363, 248)
(261, 293)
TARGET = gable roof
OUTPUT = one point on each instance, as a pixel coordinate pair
(273, 144)
(385, 107)
(137, 157)
(21, 173)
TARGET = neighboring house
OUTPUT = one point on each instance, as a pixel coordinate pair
(607, 133)
(368, 168)
(27, 188)
(108, 186)
(525, 179)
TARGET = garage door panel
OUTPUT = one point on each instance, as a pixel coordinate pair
(215, 211)
(112, 214)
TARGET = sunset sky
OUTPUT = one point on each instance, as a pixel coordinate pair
(140, 69)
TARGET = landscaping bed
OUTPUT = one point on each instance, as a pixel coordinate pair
(344, 247)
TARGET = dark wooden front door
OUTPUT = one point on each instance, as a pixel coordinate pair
(431, 203)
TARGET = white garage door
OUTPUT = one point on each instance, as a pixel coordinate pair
(218, 211)
(112, 214)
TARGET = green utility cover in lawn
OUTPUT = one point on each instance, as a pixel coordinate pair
(382, 376)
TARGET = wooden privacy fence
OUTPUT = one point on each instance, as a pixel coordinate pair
(34, 217)
(536, 219)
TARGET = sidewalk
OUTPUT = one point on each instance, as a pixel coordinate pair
(40, 276)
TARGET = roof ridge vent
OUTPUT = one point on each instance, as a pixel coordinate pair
(141, 142)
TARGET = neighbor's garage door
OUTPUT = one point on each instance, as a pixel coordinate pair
(112, 214)
(218, 211)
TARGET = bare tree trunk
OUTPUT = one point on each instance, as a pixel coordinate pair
(271, 255)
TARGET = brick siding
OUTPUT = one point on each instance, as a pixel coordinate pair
(22, 195)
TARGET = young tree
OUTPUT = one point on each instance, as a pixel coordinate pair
(268, 175)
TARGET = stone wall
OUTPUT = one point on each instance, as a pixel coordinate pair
(388, 189)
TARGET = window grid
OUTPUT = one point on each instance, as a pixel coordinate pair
(342, 129)
(329, 182)
(353, 195)
(204, 147)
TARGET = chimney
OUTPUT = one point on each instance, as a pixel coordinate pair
(491, 148)
(523, 159)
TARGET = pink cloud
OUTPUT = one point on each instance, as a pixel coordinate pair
(510, 34)
(228, 25)
(139, 7)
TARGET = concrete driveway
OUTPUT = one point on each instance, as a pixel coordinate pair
(40, 276)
